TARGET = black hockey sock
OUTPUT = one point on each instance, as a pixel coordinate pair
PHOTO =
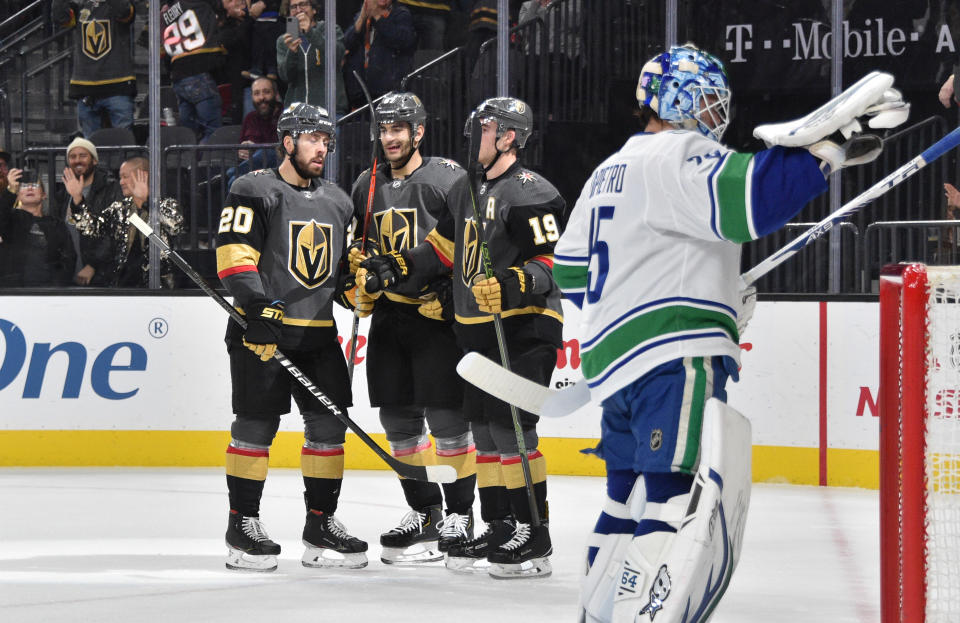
(520, 505)
(421, 495)
(493, 503)
(459, 494)
(321, 494)
(245, 495)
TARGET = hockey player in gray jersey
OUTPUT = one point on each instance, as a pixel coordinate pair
(412, 352)
(281, 254)
(523, 216)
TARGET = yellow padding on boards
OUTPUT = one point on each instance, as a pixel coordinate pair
(182, 448)
(321, 465)
(465, 464)
(243, 465)
(513, 472)
(489, 473)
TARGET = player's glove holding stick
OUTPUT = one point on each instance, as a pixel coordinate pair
(440, 304)
(355, 255)
(264, 327)
(385, 270)
(507, 289)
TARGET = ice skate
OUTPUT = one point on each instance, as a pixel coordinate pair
(249, 548)
(415, 540)
(525, 555)
(471, 556)
(455, 529)
(329, 545)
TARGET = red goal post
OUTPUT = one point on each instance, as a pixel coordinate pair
(920, 444)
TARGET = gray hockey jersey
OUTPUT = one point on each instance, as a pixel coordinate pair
(282, 242)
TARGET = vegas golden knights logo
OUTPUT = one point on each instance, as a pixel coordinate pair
(470, 262)
(309, 260)
(397, 228)
(96, 38)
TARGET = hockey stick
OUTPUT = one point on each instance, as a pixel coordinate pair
(431, 473)
(474, 169)
(374, 156)
(547, 402)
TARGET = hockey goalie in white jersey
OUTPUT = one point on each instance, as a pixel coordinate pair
(651, 253)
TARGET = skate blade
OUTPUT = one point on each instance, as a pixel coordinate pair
(238, 560)
(467, 565)
(416, 554)
(322, 558)
(533, 568)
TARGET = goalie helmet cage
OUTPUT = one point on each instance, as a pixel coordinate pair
(919, 402)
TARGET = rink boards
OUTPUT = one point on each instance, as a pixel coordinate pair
(143, 381)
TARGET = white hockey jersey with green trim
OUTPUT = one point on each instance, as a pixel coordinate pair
(651, 251)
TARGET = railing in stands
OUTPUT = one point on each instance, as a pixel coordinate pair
(933, 242)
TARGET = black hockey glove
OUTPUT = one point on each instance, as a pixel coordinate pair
(352, 296)
(507, 289)
(386, 270)
(264, 327)
(440, 307)
(355, 255)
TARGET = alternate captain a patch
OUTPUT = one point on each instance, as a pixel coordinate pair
(397, 228)
(309, 258)
(96, 38)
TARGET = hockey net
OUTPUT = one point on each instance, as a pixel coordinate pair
(920, 444)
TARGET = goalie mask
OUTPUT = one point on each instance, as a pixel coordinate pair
(299, 118)
(689, 88)
(509, 113)
(396, 107)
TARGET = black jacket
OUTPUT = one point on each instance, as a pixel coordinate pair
(36, 251)
(97, 252)
(393, 41)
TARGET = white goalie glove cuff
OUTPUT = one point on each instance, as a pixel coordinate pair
(748, 301)
(860, 149)
(872, 98)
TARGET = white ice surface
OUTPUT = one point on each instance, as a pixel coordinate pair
(146, 545)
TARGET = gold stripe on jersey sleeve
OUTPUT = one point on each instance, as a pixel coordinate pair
(93, 83)
(444, 246)
(510, 312)
(231, 255)
(399, 298)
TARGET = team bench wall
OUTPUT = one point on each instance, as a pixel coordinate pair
(143, 381)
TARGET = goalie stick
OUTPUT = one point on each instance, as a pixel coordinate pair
(547, 402)
(430, 473)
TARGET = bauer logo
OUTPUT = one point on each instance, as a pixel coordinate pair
(65, 366)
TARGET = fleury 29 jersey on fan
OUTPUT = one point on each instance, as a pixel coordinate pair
(405, 210)
(283, 242)
(523, 216)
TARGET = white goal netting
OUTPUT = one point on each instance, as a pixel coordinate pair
(942, 460)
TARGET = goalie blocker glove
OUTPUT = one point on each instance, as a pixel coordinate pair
(507, 289)
(385, 270)
(264, 327)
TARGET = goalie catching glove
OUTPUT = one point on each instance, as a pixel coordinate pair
(833, 133)
(384, 271)
(507, 289)
(264, 327)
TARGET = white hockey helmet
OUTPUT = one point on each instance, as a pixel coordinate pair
(689, 88)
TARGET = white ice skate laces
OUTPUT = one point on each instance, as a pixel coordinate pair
(411, 522)
(336, 528)
(454, 525)
(521, 534)
(252, 527)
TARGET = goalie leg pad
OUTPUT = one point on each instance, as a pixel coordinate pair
(681, 576)
(608, 542)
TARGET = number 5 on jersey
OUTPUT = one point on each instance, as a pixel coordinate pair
(599, 254)
(238, 220)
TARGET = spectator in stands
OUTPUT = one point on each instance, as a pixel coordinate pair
(380, 46)
(260, 126)
(37, 248)
(191, 39)
(86, 191)
(131, 251)
(561, 25)
(236, 27)
(430, 21)
(300, 61)
(947, 95)
(5, 160)
(103, 79)
(267, 27)
(483, 26)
